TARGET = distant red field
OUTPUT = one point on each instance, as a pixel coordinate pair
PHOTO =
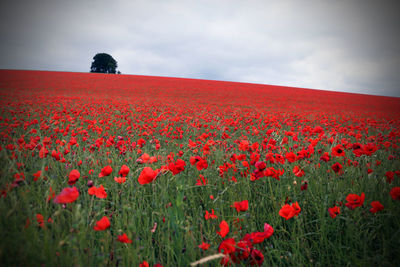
(127, 88)
(127, 170)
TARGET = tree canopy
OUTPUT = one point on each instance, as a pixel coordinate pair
(104, 63)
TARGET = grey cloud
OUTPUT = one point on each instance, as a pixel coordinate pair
(342, 45)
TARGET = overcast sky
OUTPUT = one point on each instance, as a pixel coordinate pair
(343, 45)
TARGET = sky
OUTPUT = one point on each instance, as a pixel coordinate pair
(341, 45)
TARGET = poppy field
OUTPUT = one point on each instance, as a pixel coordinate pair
(125, 170)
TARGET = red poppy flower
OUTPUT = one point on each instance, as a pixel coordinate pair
(102, 224)
(298, 172)
(334, 211)
(143, 158)
(242, 251)
(337, 168)
(56, 155)
(258, 173)
(67, 195)
(395, 193)
(43, 153)
(296, 208)
(268, 229)
(370, 149)
(177, 167)
(287, 211)
(211, 215)
(147, 175)
(200, 162)
(257, 237)
(241, 206)
(325, 157)
(124, 239)
(40, 220)
(204, 246)
(227, 246)
(257, 258)
(106, 171)
(338, 151)
(376, 206)
(358, 149)
(194, 160)
(18, 178)
(224, 229)
(73, 177)
(10, 147)
(98, 191)
(201, 181)
(245, 164)
(141, 142)
(271, 172)
(354, 201)
(144, 264)
(389, 176)
(290, 157)
(37, 175)
(124, 171)
(244, 145)
(120, 180)
(260, 165)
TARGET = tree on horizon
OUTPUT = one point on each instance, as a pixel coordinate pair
(104, 63)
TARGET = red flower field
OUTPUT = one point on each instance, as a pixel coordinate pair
(132, 170)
